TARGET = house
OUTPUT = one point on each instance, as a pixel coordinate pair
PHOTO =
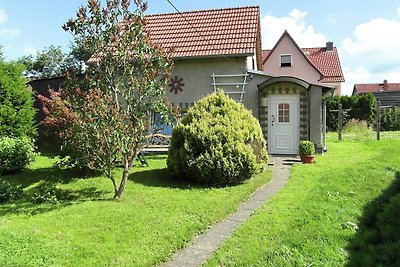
(207, 42)
(221, 50)
(319, 64)
(387, 93)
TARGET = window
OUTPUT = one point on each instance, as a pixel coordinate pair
(283, 112)
(286, 60)
(160, 126)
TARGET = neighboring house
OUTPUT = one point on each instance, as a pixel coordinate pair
(319, 64)
(387, 93)
(41, 87)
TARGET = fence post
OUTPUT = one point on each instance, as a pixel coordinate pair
(378, 121)
(340, 122)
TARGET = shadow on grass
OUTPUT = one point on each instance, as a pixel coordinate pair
(41, 193)
(377, 242)
(158, 178)
(48, 202)
(161, 178)
(50, 174)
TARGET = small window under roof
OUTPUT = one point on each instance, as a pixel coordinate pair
(286, 60)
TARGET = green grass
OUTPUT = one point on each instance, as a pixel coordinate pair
(313, 220)
(87, 228)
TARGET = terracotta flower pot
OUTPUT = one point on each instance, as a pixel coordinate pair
(307, 158)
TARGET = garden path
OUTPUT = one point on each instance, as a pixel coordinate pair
(207, 243)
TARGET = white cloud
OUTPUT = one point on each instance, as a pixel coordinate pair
(304, 34)
(10, 33)
(371, 53)
(3, 16)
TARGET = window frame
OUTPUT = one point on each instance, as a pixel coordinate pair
(285, 113)
(286, 64)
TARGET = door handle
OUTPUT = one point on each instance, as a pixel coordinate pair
(273, 120)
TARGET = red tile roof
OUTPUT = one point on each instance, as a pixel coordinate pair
(326, 62)
(375, 87)
(228, 31)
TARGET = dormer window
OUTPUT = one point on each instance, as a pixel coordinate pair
(286, 60)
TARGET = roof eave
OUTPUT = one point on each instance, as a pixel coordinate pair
(214, 56)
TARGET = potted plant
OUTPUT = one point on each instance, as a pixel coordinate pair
(306, 151)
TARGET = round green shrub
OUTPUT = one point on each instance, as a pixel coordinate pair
(306, 148)
(15, 154)
(218, 143)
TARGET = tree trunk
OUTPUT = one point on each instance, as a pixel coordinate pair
(119, 193)
(109, 174)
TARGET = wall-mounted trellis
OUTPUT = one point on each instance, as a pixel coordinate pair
(234, 85)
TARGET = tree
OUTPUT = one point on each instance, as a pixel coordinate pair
(103, 119)
(17, 115)
(51, 62)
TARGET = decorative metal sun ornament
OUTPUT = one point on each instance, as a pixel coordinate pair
(176, 84)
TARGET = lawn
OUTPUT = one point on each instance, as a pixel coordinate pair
(83, 226)
(331, 213)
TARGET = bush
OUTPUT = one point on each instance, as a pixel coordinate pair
(219, 142)
(306, 148)
(390, 119)
(15, 154)
(17, 115)
(361, 107)
(9, 192)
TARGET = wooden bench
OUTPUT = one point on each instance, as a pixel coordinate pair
(157, 143)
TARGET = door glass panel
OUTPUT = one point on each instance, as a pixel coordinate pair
(283, 112)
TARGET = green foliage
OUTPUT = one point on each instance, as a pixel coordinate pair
(9, 192)
(390, 119)
(219, 142)
(103, 119)
(306, 148)
(50, 62)
(17, 115)
(362, 107)
(15, 154)
(378, 240)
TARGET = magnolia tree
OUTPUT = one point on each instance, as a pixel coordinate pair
(103, 118)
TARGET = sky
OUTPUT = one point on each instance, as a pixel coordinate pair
(365, 32)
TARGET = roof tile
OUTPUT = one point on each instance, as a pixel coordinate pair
(213, 32)
(375, 87)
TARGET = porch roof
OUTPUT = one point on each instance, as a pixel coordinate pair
(297, 80)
